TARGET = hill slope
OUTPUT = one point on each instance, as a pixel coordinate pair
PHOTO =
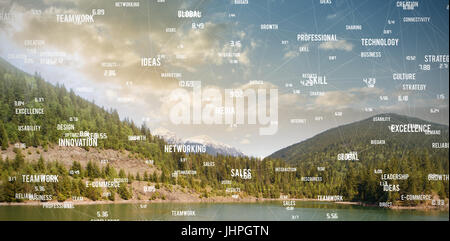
(380, 153)
(49, 114)
(61, 114)
(357, 137)
(60, 108)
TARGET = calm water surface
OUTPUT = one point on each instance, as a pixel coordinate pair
(303, 211)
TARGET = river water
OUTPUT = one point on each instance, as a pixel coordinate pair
(262, 211)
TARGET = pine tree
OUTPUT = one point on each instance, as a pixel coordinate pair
(76, 167)
(123, 191)
(145, 178)
(40, 165)
(138, 177)
(122, 174)
(19, 160)
(3, 137)
(90, 170)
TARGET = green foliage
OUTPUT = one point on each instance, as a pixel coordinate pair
(112, 197)
(3, 137)
(123, 192)
(93, 193)
(356, 181)
(19, 160)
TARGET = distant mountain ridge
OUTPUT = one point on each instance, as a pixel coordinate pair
(357, 136)
(213, 147)
(311, 159)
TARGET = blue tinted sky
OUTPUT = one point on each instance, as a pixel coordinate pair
(124, 35)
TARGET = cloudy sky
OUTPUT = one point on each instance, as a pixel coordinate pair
(124, 35)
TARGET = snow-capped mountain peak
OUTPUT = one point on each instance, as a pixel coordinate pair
(213, 147)
(205, 140)
(167, 135)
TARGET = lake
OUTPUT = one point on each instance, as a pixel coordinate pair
(260, 211)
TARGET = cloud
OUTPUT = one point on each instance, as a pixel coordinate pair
(342, 99)
(290, 54)
(332, 16)
(335, 99)
(122, 35)
(206, 46)
(337, 45)
(245, 141)
(194, 47)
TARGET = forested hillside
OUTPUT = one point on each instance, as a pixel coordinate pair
(357, 136)
(354, 180)
(401, 153)
(63, 107)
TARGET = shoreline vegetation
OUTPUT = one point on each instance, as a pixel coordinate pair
(128, 162)
(73, 189)
(228, 200)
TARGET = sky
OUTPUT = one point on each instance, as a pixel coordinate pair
(125, 35)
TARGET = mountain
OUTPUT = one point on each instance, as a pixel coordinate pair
(212, 147)
(169, 136)
(357, 160)
(38, 115)
(45, 128)
(33, 142)
(357, 137)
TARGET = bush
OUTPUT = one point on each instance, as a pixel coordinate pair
(123, 192)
